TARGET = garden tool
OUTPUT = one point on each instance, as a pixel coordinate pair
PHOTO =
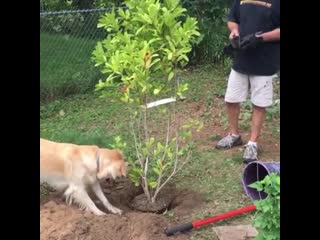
(196, 224)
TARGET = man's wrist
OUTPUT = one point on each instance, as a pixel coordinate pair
(233, 26)
(270, 36)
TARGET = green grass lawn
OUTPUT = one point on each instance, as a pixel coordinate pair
(65, 65)
(88, 119)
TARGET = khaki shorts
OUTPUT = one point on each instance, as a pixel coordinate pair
(260, 87)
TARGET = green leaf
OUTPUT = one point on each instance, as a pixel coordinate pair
(170, 155)
(186, 134)
(124, 14)
(153, 10)
(159, 163)
(156, 170)
(100, 85)
(278, 180)
(99, 54)
(156, 60)
(109, 22)
(256, 185)
(183, 57)
(140, 29)
(156, 91)
(110, 78)
(171, 75)
(153, 184)
(171, 3)
(159, 146)
(136, 184)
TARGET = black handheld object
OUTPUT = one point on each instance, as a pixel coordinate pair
(246, 42)
(234, 45)
(251, 41)
(235, 42)
(180, 228)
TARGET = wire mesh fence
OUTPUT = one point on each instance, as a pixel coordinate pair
(67, 40)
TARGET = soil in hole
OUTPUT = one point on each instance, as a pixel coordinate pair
(163, 202)
(59, 221)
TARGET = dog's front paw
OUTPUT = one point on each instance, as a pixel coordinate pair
(116, 211)
(99, 213)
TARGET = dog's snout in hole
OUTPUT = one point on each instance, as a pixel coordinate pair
(109, 180)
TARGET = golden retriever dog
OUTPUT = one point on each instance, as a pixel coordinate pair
(72, 168)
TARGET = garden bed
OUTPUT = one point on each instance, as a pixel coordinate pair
(59, 221)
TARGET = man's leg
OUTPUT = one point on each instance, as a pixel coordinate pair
(237, 92)
(258, 117)
(261, 97)
(233, 110)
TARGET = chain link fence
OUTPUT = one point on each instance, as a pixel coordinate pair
(67, 40)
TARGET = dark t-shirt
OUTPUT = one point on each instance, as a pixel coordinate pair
(252, 17)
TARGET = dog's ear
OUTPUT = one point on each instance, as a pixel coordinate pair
(120, 153)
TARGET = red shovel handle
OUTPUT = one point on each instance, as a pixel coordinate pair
(223, 216)
(189, 226)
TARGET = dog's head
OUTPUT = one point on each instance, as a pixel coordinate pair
(111, 164)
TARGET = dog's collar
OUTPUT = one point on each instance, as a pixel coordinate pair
(98, 161)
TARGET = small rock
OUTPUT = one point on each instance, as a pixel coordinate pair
(241, 232)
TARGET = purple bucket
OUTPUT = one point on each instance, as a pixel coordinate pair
(257, 171)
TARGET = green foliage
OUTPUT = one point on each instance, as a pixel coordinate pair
(274, 111)
(65, 66)
(55, 5)
(212, 16)
(210, 13)
(107, 3)
(211, 173)
(144, 45)
(69, 23)
(62, 24)
(58, 5)
(118, 144)
(267, 220)
(162, 156)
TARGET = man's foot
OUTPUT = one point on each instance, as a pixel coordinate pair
(229, 141)
(250, 153)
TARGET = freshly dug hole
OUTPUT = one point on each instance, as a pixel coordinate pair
(141, 203)
(162, 203)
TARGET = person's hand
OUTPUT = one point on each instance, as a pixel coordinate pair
(234, 33)
(251, 41)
